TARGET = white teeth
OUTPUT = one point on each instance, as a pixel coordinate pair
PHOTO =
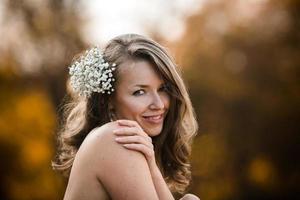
(155, 117)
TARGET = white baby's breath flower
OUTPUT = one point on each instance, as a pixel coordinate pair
(91, 73)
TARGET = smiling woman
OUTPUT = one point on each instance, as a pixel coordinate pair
(141, 96)
(128, 133)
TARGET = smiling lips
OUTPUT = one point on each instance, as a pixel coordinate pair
(156, 119)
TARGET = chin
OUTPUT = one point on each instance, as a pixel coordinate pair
(153, 131)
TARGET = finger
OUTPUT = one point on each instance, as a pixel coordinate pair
(145, 137)
(134, 139)
(129, 131)
(149, 139)
(132, 123)
(129, 123)
(126, 131)
(141, 148)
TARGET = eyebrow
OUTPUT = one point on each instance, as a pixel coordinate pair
(145, 86)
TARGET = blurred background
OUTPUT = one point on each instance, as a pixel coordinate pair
(240, 60)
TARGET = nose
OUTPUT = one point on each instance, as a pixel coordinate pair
(157, 102)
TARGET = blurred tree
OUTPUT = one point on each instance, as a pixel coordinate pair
(39, 39)
(241, 60)
(242, 65)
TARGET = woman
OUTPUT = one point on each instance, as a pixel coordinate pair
(128, 134)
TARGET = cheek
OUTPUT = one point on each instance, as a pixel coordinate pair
(129, 108)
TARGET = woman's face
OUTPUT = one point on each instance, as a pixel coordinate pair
(141, 96)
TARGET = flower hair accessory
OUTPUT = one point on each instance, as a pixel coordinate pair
(91, 73)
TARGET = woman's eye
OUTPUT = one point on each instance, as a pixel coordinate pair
(138, 92)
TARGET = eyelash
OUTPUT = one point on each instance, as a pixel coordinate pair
(137, 93)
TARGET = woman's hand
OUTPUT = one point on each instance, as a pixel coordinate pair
(133, 137)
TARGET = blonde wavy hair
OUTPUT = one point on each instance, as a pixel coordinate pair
(172, 146)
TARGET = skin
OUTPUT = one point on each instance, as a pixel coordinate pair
(137, 99)
(118, 158)
(103, 169)
(144, 102)
(140, 96)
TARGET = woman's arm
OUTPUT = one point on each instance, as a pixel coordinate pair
(136, 139)
(124, 174)
(161, 186)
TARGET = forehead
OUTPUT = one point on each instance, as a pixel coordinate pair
(138, 72)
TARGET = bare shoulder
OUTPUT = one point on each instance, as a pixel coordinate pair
(83, 182)
(97, 145)
(99, 135)
(124, 173)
